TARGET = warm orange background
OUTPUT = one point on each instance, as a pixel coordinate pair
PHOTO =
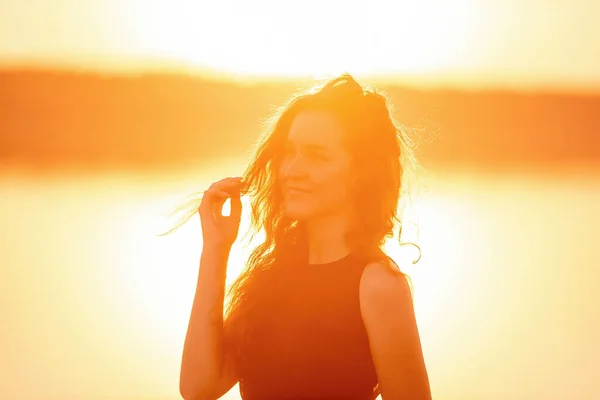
(462, 42)
(112, 111)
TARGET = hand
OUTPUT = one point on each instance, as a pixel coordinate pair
(219, 231)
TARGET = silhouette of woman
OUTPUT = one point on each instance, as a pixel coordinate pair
(320, 311)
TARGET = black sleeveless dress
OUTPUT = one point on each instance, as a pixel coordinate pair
(312, 343)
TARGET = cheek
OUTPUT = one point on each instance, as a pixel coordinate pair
(334, 189)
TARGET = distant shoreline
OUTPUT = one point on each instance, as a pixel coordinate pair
(59, 119)
(24, 170)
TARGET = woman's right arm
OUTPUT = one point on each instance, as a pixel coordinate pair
(206, 371)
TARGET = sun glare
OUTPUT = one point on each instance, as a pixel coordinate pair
(268, 38)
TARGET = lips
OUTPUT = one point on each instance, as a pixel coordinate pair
(293, 190)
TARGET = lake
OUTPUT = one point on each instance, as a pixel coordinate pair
(95, 305)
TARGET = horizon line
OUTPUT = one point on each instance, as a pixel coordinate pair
(423, 81)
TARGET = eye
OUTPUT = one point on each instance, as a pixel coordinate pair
(317, 156)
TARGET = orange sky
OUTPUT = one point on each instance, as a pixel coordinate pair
(464, 42)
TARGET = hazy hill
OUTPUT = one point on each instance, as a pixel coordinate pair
(91, 120)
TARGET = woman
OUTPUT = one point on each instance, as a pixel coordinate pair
(320, 311)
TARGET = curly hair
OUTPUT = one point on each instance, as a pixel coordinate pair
(382, 161)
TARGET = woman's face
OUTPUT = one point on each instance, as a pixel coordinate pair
(314, 173)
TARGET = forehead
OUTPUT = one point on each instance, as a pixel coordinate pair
(317, 128)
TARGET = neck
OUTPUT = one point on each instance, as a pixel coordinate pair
(326, 238)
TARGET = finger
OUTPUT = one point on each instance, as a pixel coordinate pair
(217, 194)
(212, 201)
(227, 183)
(226, 180)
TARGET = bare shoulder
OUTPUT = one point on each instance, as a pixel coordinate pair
(382, 282)
(387, 310)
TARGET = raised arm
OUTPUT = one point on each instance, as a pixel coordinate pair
(207, 372)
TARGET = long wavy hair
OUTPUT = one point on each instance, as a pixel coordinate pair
(383, 161)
